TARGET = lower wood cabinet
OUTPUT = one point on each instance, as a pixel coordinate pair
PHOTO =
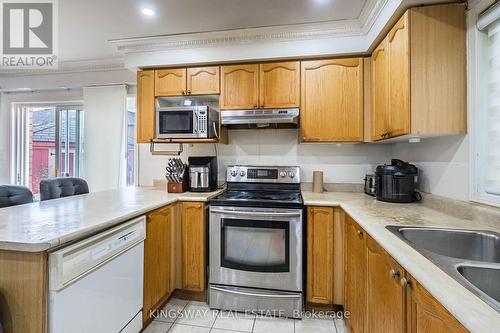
(425, 314)
(157, 260)
(381, 296)
(384, 293)
(355, 275)
(193, 229)
(320, 260)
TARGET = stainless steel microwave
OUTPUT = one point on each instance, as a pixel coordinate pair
(183, 122)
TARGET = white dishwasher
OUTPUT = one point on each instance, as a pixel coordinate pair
(96, 285)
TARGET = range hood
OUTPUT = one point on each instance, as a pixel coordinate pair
(257, 118)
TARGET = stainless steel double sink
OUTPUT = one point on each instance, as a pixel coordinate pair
(471, 257)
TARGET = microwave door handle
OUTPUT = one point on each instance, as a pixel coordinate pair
(195, 121)
(214, 124)
(250, 213)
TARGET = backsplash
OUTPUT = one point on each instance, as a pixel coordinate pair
(340, 163)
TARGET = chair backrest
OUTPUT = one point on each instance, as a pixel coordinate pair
(12, 195)
(62, 187)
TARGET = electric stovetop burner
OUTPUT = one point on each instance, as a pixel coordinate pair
(251, 186)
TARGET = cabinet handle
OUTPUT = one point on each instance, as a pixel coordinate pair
(255, 106)
(405, 283)
(360, 233)
(189, 92)
(183, 92)
(394, 273)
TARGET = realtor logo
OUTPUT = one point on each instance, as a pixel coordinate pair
(29, 33)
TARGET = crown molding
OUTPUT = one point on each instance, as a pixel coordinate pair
(98, 65)
(280, 33)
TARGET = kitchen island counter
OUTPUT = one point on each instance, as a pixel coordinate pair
(42, 226)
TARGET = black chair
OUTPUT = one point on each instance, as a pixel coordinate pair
(13, 195)
(62, 187)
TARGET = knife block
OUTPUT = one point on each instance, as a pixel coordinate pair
(179, 187)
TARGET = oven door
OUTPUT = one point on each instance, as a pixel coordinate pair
(176, 122)
(256, 247)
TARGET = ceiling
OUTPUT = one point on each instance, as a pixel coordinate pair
(86, 26)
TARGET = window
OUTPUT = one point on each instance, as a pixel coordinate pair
(131, 151)
(486, 130)
(47, 143)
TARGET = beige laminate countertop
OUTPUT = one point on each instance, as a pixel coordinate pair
(373, 216)
(44, 225)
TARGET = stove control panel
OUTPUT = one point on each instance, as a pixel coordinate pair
(263, 174)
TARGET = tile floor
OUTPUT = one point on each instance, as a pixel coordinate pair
(180, 316)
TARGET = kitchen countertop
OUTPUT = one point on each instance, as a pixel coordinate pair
(373, 216)
(44, 225)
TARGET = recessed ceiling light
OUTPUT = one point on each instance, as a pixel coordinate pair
(148, 11)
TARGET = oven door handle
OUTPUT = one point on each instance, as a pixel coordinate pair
(257, 294)
(250, 213)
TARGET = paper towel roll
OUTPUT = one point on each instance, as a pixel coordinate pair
(318, 181)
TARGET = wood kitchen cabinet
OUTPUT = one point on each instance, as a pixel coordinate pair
(385, 295)
(320, 255)
(157, 260)
(279, 85)
(381, 296)
(425, 314)
(145, 106)
(332, 100)
(187, 81)
(239, 87)
(203, 80)
(267, 85)
(170, 82)
(419, 75)
(355, 275)
(193, 229)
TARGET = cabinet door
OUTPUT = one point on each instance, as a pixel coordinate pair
(380, 114)
(280, 85)
(355, 275)
(320, 255)
(426, 315)
(145, 106)
(239, 87)
(332, 100)
(193, 246)
(398, 44)
(157, 257)
(203, 80)
(170, 82)
(385, 296)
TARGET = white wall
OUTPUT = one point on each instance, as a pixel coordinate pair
(104, 155)
(346, 163)
(443, 164)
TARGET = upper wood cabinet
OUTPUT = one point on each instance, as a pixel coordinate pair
(420, 68)
(187, 81)
(170, 82)
(279, 85)
(239, 87)
(332, 100)
(157, 260)
(425, 314)
(268, 85)
(355, 275)
(145, 106)
(320, 254)
(380, 85)
(193, 230)
(384, 292)
(203, 80)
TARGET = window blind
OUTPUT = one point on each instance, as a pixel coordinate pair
(492, 172)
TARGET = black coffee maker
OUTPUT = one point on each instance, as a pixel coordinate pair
(397, 182)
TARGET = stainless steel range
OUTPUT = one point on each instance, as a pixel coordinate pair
(256, 242)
